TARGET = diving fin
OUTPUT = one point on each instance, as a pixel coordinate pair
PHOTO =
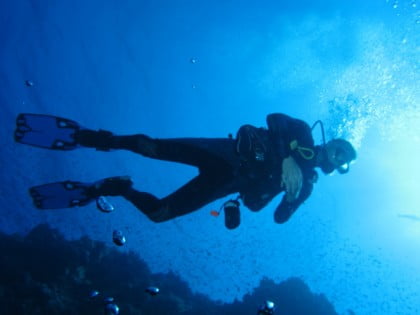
(67, 194)
(46, 131)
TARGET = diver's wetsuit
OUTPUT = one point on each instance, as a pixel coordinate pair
(251, 164)
(215, 158)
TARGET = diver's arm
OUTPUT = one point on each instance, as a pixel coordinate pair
(285, 209)
(292, 178)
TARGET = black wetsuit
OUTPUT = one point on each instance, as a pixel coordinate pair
(250, 164)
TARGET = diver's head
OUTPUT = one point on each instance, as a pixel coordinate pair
(337, 155)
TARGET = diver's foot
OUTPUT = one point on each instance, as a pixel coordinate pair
(101, 139)
(112, 186)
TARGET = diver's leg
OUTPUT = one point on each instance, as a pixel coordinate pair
(200, 152)
(200, 191)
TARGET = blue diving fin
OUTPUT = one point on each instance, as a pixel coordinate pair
(66, 194)
(69, 194)
(46, 131)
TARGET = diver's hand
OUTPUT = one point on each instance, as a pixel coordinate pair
(291, 178)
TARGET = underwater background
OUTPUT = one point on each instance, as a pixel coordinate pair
(204, 68)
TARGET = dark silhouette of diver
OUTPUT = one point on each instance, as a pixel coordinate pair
(258, 163)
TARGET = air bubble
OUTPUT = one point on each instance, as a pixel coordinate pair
(29, 83)
(69, 186)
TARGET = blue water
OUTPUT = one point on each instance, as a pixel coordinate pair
(195, 68)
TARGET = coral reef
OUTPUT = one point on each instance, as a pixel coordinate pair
(42, 273)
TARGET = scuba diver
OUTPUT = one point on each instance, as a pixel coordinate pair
(259, 163)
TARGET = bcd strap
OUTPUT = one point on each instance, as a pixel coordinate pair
(306, 153)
